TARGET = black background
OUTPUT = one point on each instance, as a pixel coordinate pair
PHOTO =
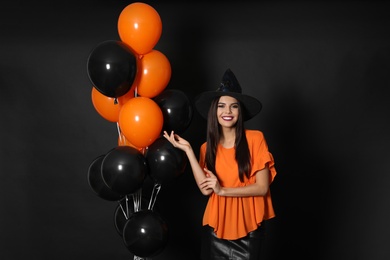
(321, 70)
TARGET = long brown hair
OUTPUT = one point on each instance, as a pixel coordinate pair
(241, 144)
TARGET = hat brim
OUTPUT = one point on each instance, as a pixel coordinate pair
(250, 105)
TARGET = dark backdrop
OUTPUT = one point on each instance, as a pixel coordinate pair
(321, 70)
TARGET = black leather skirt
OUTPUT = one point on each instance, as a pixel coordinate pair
(246, 248)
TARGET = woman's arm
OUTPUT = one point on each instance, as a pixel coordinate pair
(184, 145)
(259, 188)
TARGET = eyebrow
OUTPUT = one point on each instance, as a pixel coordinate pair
(235, 103)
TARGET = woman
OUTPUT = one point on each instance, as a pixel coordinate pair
(235, 170)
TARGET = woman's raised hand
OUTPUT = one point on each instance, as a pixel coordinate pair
(177, 141)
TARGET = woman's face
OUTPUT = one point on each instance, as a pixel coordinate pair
(227, 111)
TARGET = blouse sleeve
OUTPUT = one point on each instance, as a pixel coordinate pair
(260, 154)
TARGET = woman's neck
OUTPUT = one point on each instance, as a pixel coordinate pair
(228, 138)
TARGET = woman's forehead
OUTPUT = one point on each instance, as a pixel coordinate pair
(227, 99)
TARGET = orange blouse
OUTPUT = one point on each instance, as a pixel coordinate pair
(235, 217)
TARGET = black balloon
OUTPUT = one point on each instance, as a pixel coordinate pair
(176, 108)
(124, 169)
(95, 181)
(145, 233)
(165, 162)
(120, 217)
(112, 68)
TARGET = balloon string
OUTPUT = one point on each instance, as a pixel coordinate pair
(153, 197)
(119, 133)
(127, 205)
(145, 150)
(137, 200)
(123, 210)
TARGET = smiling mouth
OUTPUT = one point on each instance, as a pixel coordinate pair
(227, 118)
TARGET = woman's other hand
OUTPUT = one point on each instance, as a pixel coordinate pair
(210, 182)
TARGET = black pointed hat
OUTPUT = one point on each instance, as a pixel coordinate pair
(228, 87)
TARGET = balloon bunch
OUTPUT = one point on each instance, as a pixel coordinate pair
(129, 80)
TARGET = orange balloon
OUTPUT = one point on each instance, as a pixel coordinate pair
(107, 107)
(122, 141)
(140, 27)
(141, 121)
(154, 74)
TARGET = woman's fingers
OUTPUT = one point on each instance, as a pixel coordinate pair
(170, 137)
(208, 172)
